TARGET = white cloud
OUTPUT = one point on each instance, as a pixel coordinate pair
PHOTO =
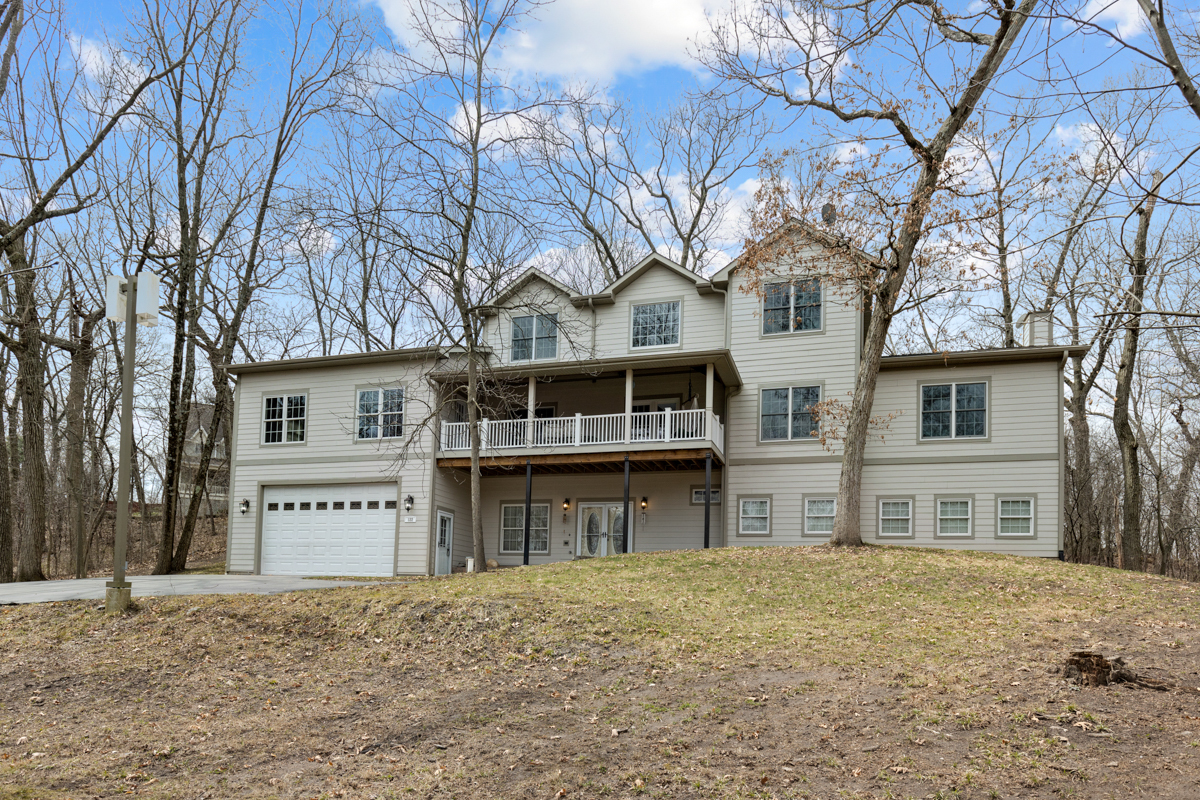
(593, 40)
(1122, 17)
(102, 62)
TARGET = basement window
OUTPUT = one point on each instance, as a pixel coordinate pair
(512, 528)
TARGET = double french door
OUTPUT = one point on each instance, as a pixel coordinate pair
(602, 530)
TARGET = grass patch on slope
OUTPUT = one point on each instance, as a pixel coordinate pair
(757, 672)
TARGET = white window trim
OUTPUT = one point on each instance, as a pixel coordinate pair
(762, 309)
(808, 500)
(533, 346)
(521, 551)
(987, 411)
(1032, 517)
(679, 329)
(741, 515)
(379, 415)
(911, 521)
(970, 501)
(698, 496)
(262, 419)
(819, 386)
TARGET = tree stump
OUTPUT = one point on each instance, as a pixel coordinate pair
(1092, 669)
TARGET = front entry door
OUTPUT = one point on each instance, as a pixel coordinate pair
(601, 530)
(445, 543)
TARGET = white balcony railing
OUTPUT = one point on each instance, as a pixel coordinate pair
(582, 430)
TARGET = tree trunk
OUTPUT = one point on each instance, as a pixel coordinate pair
(6, 526)
(1086, 527)
(83, 354)
(30, 379)
(200, 480)
(847, 522)
(1131, 508)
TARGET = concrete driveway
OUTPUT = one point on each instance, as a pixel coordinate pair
(161, 586)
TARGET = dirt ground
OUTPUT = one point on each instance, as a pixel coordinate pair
(532, 685)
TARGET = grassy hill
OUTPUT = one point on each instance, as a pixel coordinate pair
(876, 673)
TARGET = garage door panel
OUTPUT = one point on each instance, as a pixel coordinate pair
(329, 530)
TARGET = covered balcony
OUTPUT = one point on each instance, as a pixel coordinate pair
(663, 412)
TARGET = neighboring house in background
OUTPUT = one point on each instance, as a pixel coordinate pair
(358, 464)
(198, 425)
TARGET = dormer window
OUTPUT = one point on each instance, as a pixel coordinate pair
(656, 324)
(791, 307)
(535, 337)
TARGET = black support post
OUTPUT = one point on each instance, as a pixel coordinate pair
(528, 503)
(707, 494)
(625, 513)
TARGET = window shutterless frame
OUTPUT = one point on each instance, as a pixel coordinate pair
(284, 418)
(512, 528)
(784, 413)
(954, 516)
(819, 512)
(657, 324)
(1016, 516)
(697, 495)
(378, 413)
(896, 519)
(794, 306)
(534, 337)
(948, 411)
(754, 515)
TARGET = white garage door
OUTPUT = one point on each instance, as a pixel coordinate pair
(329, 530)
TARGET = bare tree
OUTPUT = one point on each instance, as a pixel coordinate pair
(664, 185)
(832, 48)
(459, 205)
(42, 82)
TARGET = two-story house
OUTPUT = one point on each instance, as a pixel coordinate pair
(607, 416)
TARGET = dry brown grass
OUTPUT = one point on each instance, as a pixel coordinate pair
(881, 672)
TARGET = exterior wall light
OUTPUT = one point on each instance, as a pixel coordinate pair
(408, 503)
(244, 506)
(567, 504)
(643, 504)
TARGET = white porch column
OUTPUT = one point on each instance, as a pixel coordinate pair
(628, 406)
(530, 404)
(708, 401)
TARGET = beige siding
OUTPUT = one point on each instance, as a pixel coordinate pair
(1022, 411)
(452, 493)
(330, 453)
(575, 340)
(701, 316)
(672, 523)
(985, 481)
(827, 357)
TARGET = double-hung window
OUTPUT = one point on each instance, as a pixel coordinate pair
(380, 413)
(954, 517)
(954, 411)
(284, 419)
(512, 528)
(535, 337)
(656, 324)
(755, 516)
(895, 517)
(1016, 516)
(818, 514)
(788, 413)
(791, 307)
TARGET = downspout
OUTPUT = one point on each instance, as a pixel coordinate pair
(232, 457)
(592, 306)
(1062, 454)
(728, 424)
